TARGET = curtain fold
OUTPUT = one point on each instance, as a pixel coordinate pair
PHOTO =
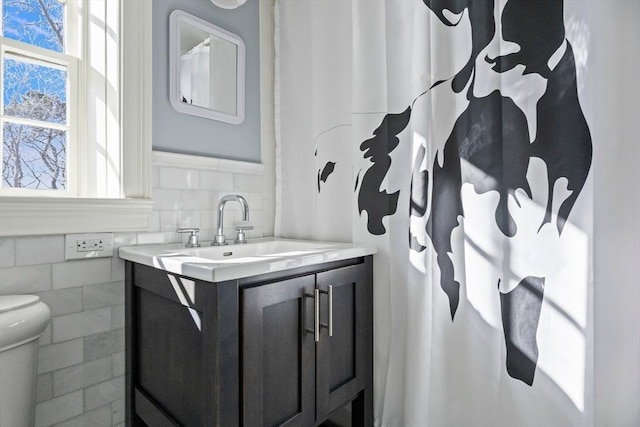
(451, 136)
(194, 76)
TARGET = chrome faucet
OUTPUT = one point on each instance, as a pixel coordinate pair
(220, 238)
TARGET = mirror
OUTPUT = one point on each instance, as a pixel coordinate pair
(206, 69)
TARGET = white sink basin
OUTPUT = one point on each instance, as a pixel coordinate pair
(220, 263)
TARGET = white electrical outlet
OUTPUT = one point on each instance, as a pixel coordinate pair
(88, 245)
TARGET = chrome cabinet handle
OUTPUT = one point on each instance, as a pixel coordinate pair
(316, 315)
(329, 294)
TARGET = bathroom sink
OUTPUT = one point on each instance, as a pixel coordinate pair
(219, 263)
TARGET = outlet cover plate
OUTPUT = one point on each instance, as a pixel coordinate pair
(88, 245)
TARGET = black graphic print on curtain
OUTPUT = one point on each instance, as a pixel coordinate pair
(494, 135)
(376, 203)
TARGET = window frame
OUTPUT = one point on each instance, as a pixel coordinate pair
(42, 215)
(29, 53)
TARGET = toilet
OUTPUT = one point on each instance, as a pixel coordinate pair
(23, 318)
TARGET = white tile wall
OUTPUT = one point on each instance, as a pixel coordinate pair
(23, 280)
(59, 409)
(187, 192)
(97, 417)
(84, 324)
(81, 376)
(39, 250)
(104, 344)
(80, 272)
(57, 356)
(81, 356)
(63, 301)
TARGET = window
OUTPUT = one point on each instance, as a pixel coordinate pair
(75, 116)
(39, 80)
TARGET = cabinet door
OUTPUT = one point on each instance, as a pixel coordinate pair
(341, 359)
(278, 354)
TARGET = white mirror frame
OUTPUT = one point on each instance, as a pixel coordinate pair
(178, 17)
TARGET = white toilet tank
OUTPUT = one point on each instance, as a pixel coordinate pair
(23, 318)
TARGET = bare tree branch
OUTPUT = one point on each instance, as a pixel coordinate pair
(54, 26)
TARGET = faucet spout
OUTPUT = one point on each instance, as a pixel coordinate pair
(244, 205)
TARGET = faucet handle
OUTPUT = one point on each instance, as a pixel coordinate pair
(193, 238)
(242, 237)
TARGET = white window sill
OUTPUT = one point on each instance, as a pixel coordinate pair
(24, 216)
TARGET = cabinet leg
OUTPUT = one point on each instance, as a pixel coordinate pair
(137, 422)
(362, 409)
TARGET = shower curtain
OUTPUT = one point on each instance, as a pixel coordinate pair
(194, 75)
(451, 136)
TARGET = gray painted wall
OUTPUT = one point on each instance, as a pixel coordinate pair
(181, 133)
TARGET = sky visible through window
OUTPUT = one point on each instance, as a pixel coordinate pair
(34, 154)
(27, 21)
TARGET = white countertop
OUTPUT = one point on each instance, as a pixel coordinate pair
(235, 261)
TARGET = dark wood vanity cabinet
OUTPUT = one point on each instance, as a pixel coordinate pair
(246, 353)
(289, 378)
